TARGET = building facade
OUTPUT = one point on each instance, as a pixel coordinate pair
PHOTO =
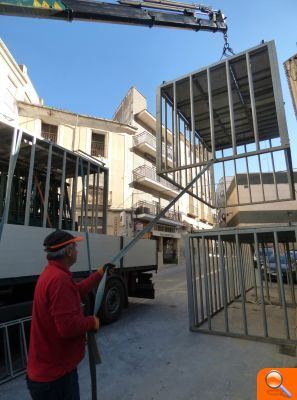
(291, 72)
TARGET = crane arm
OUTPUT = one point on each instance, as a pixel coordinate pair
(149, 13)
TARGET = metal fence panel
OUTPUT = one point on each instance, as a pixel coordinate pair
(242, 283)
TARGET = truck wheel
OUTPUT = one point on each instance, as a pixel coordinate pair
(113, 302)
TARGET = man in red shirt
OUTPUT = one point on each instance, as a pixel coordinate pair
(58, 329)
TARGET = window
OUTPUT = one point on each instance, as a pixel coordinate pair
(98, 145)
(49, 132)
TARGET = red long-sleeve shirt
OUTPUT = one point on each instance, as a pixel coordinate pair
(58, 329)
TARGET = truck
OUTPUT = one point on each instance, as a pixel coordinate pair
(44, 192)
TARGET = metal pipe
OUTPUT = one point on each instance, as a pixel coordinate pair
(206, 288)
(211, 117)
(224, 290)
(30, 180)
(282, 291)
(47, 184)
(61, 208)
(252, 99)
(230, 101)
(74, 194)
(241, 283)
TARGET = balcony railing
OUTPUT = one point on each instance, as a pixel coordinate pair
(144, 171)
(146, 137)
(144, 207)
(97, 149)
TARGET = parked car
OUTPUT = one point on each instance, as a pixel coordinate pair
(285, 269)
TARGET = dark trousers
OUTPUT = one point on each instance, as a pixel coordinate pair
(64, 388)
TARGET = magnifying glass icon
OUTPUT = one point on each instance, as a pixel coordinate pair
(274, 380)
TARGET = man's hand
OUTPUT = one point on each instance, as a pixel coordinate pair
(109, 267)
(97, 324)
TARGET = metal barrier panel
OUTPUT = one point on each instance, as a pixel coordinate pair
(242, 283)
(14, 343)
(232, 113)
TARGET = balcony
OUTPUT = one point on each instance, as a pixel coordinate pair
(146, 179)
(147, 211)
(145, 143)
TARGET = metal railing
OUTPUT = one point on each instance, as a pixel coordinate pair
(242, 283)
(145, 207)
(14, 342)
(97, 149)
(146, 137)
(145, 171)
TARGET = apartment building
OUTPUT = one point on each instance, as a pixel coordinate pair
(290, 66)
(149, 193)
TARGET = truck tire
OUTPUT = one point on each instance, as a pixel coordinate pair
(113, 301)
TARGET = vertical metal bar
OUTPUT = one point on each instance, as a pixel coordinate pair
(179, 149)
(105, 201)
(241, 283)
(273, 171)
(214, 276)
(94, 174)
(97, 190)
(222, 267)
(62, 190)
(30, 179)
(159, 129)
(190, 282)
(277, 89)
(211, 119)
(253, 270)
(195, 303)
(236, 183)
(173, 141)
(290, 173)
(8, 351)
(264, 318)
(83, 197)
(282, 291)
(175, 132)
(47, 184)
(291, 279)
(201, 261)
(209, 277)
(165, 134)
(74, 195)
(14, 151)
(206, 288)
(87, 198)
(225, 186)
(265, 271)
(231, 111)
(24, 340)
(261, 178)
(252, 98)
(248, 175)
(218, 274)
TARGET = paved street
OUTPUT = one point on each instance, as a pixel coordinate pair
(150, 354)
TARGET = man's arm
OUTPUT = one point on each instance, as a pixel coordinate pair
(66, 310)
(88, 284)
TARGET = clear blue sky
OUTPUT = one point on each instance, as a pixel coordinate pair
(89, 67)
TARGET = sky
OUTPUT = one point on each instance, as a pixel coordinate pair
(89, 67)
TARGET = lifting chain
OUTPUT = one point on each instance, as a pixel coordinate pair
(227, 50)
